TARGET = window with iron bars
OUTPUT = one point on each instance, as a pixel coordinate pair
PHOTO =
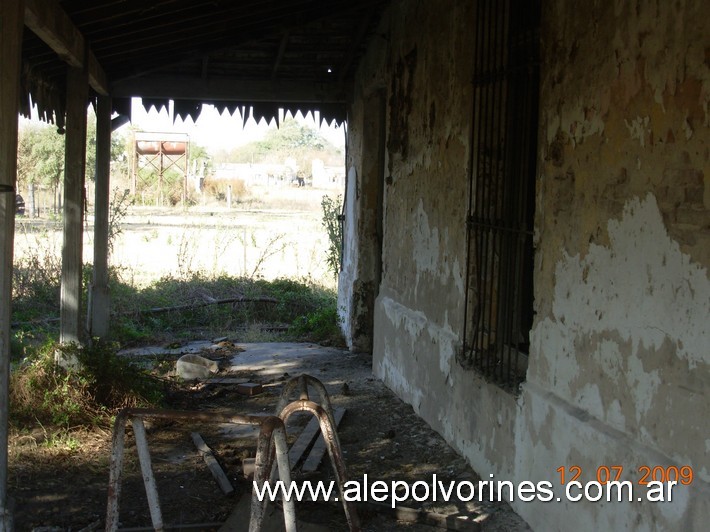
(499, 294)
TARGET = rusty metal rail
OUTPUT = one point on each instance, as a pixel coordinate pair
(271, 443)
(324, 414)
(271, 455)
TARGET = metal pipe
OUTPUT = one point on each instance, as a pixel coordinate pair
(332, 441)
(271, 443)
(302, 381)
(272, 435)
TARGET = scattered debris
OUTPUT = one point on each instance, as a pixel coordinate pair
(304, 441)
(225, 346)
(249, 388)
(248, 468)
(195, 367)
(403, 514)
(273, 521)
(381, 437)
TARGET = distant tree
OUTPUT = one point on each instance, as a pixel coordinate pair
(40, 158)
(118, 146)
(40, 155)
(291, 135)
(290, 140)
(199, 157)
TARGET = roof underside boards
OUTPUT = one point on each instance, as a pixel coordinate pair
(251, 56)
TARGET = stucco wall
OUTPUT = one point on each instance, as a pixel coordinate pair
(619, 369)
(425, 64)
(359, 279)
(620, 357)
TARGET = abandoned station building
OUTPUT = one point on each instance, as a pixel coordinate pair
(528, 240)
(527, 237)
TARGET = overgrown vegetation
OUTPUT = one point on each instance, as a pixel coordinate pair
(183, 308)
(36, 275)
(168, 311)
(193, 302)
(42, 392)
(218, 189)
(252, 310)
(332, 222)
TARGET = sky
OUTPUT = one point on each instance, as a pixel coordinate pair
(214, 131)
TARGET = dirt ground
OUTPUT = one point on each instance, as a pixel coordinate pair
(65, 489)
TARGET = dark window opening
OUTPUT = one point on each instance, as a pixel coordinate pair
(499, 293)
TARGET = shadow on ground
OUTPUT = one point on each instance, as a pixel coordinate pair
(63, 489)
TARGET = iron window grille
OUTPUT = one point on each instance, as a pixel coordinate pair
(499, 295)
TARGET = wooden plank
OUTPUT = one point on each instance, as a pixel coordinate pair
(319, 448)
(304, 441)
(183, 87)
(249, 388)
(216, 470)
(226, 380)
(50, 23)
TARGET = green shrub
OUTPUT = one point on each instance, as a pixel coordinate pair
(321, 325)
(333, 223)
(43, 392)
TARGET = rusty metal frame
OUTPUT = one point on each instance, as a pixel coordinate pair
(324, 414)
(271, 444)
(271, 456)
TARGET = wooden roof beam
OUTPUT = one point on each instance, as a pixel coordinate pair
(356, 42)
(280, 55)
(50, 23)
(178, 88)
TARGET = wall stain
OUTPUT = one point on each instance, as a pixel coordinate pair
(402, 87)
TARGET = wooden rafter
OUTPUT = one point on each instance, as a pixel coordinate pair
(51, 24)
(225, 89)
(280, 54)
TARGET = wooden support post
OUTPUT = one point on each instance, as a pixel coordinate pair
(11, 26)
(75, 162)
(98, 312)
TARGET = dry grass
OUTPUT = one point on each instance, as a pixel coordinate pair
(45, 394)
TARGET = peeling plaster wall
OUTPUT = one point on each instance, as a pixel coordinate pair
(360, 274)
(348, 273)
(427, 68)
(620, 356)
(619, 370)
